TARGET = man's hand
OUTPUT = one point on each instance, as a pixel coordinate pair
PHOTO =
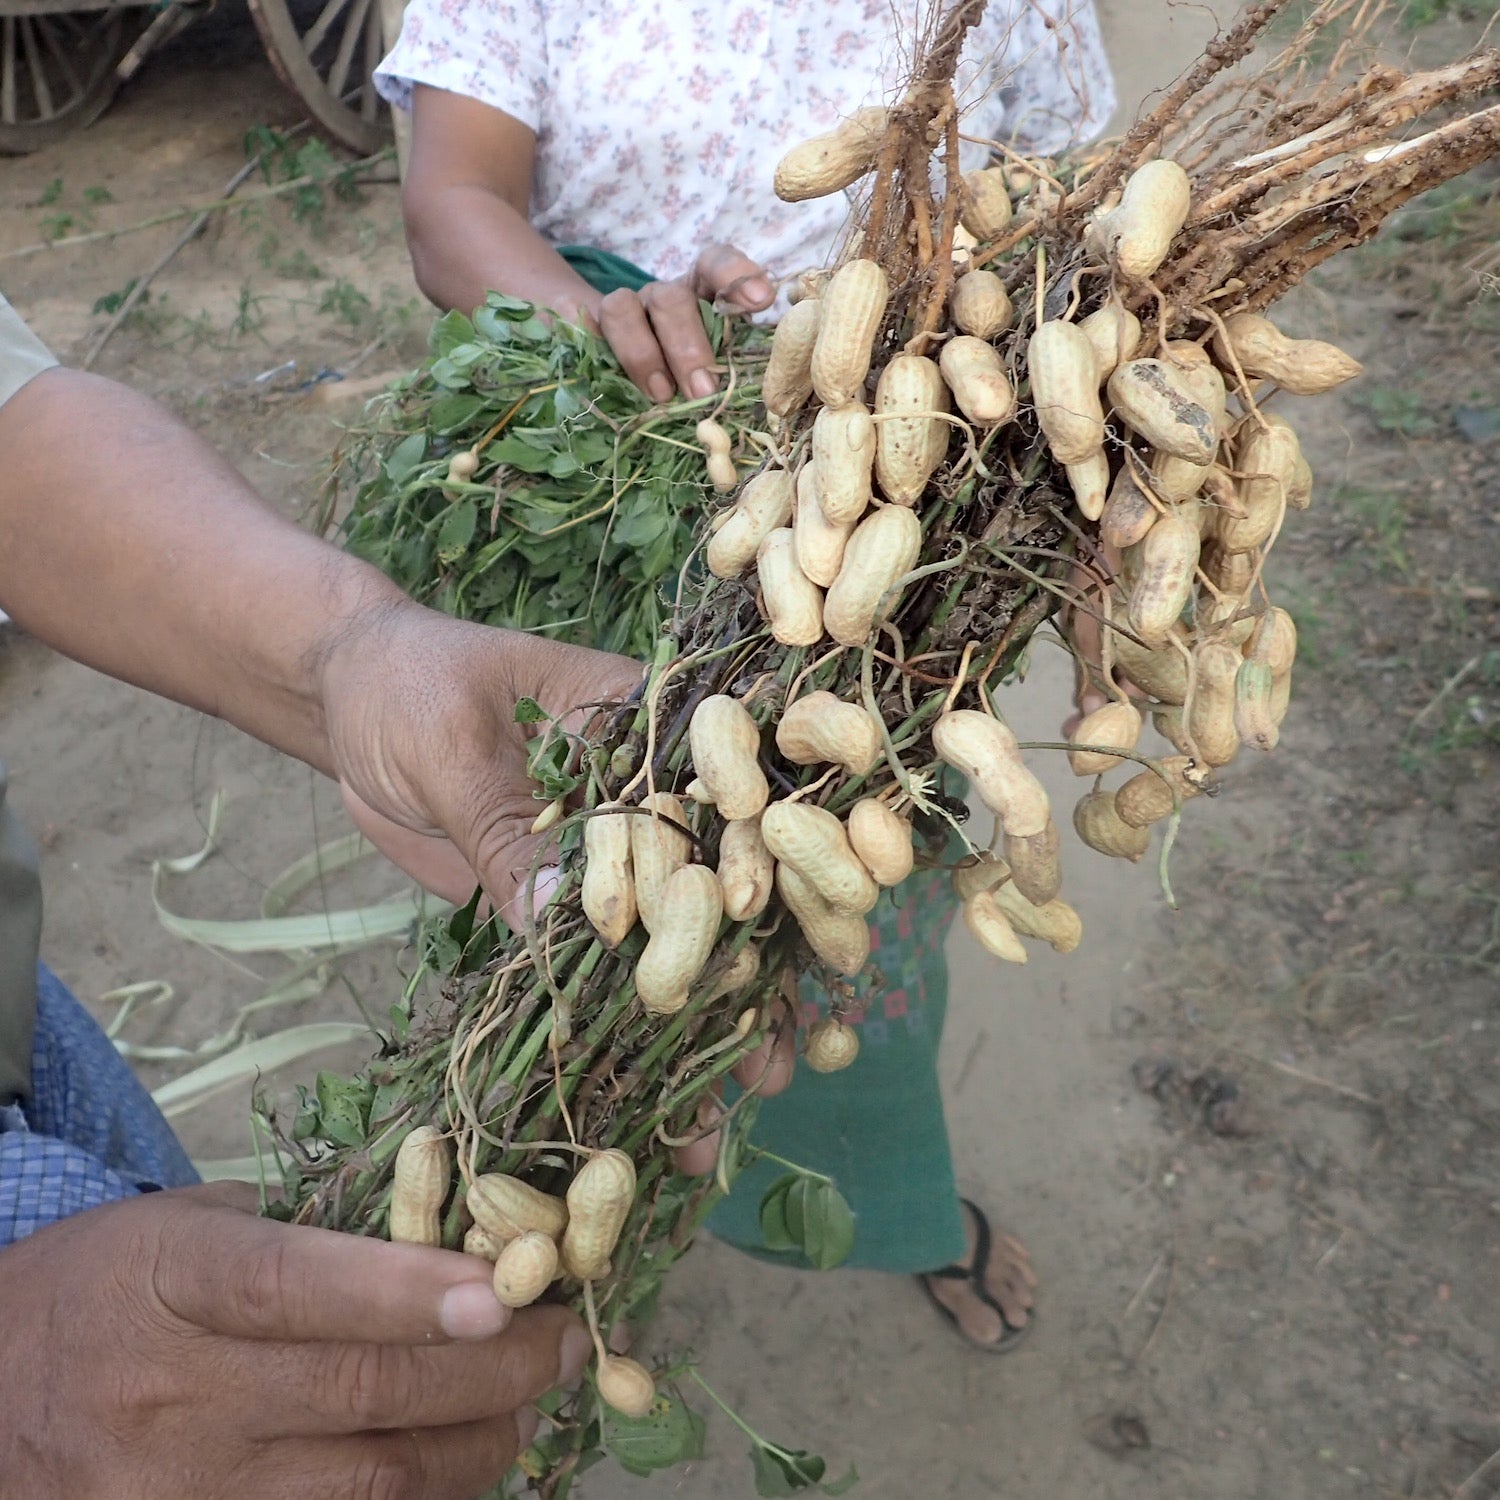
(420, 717)
(657, 333)
(421, 723)
(177, 1345)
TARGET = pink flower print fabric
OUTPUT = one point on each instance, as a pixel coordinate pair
(659, 123)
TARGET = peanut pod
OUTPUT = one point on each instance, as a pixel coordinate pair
(979, 304)
(822, 729)
(742, 970)
(1035, 863)
(1053, 922)
(843, 447)
(910, 441)
(1153, 400)
(787, 383)
(991, 928)
(691, 906)
(853, 306)
(608, 892)
(1169, 556)
(420, 1181)
(478, 1241)
(814, 843)
(793, 602)
(976, 375)
(714, 441)
(1116, 724)
(525, 1268)
(764, 504)
(1216, 665)
(725, 745)
(746, 870)
(1114, 334)
(883, 549)
(1065, 391)
(657, 850)
(831, 1046)
(626, 1386)
(1305, 367)
(599, 1200)
(882, 840)
(1135, 236)
(1146, 799)
(831, 162)
(1268, 458)
(1253, 719)
(986, 209)
(1102, 829)
(505, 1207)
(1161, 672)
(818, 542)
(1128, 512)
(979, 747)
(1089, 482)
(1274, 642)
(839, 940)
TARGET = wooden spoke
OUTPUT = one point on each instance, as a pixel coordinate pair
(8, 70)
(57, 71)
(320, 28)
(327, 51)
(369, 97)
(40, 88)
(338, 75)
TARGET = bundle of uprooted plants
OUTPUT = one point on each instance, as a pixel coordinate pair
(1046, 390)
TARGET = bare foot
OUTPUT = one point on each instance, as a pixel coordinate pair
(1008, 1279)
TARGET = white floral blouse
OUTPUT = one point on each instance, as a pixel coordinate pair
(659, 122)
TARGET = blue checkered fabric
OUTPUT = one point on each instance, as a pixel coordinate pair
(89, 1134)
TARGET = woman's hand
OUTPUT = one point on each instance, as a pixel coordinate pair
(465, 200)
(657, 333)
(176, 1344)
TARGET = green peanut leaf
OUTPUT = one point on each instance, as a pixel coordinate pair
(671, 1433)
(774, 1230)
(836, 1226)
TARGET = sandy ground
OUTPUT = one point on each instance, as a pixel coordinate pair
(1274, 1312)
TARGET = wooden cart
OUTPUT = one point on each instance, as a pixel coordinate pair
(61, 61)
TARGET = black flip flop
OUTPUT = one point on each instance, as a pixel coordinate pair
(974, 1275)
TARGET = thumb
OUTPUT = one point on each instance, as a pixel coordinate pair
(729, 275)
(250, 1278)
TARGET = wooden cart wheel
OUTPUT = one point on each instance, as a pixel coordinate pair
(57, 72)
(327, 51)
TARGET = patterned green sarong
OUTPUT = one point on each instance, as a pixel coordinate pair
(877, 1128)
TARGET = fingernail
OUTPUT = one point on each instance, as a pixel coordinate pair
(573, 1356)
(758, 289)
(546, 883)
(470, 1311)
(659, 387)
(702, 383)
(527, 1422)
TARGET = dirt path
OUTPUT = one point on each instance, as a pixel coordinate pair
(1303, 1307)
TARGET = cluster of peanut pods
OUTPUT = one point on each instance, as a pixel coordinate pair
(533, 1238)
(1170, 459)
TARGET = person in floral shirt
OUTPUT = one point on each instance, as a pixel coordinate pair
(650, 129)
